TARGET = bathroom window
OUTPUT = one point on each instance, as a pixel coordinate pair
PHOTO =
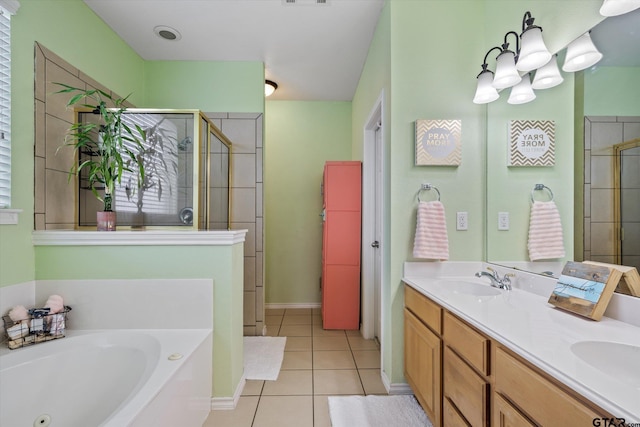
(7, 8)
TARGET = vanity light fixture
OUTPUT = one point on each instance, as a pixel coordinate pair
(269, 87)
(522, 92)
(581, 54)
(618, 7)
(485, 92)
(506, 73)
(533, 52)
(548, 75)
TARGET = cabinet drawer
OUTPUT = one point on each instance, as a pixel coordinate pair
(539, 398)
(451, 417)
(469, 343)
(467, 390)
(505, 415)
(425, 309)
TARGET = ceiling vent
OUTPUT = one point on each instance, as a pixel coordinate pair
(305, 2)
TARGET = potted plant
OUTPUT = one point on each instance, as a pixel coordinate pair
(104, 150)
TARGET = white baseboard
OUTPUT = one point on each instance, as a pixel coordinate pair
(397, 388)
(228, 403)
(293, 305)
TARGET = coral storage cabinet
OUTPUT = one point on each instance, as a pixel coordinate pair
(341, 231)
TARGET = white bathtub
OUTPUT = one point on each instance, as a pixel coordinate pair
(113, 378)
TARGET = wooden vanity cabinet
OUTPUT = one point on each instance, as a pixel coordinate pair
(423, 352)
(463, 378)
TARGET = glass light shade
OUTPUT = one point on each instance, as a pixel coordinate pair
(533, 52)
(522, 92)
(548, 75)
(485, 93)
(618, 7)
(269, 87)
(581, 54)
(506, 73)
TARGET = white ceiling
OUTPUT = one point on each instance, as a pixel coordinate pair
(313, 51)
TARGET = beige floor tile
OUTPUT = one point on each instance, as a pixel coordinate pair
(290, 383)
(298, 344)
(273, 320)
(297, 360)
(295, 319)
(321, 416)
(359, 343)
(297, 311)
(316, 310)
(335, 359)
(274, 311)
(284, 411)
(295, 331)
(354, 333)
(367, 359)
(372, 382)
(252, 388)
(317, 331)
(241, 416)
(316, 319)
(272, 331)
(340, 381)
(330, 343)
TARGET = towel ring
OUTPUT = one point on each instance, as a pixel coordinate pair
(427, 187)
(540, 187)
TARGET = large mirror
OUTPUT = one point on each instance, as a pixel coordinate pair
(599, 198)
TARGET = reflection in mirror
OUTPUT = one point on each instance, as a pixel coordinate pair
(607, 113)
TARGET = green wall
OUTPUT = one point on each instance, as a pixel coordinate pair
(612, 91)
(299, 138)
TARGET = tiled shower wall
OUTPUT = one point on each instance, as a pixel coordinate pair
(601, 133)
(244, 130)
(55, 198)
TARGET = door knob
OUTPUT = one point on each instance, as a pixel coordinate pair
(375, 244)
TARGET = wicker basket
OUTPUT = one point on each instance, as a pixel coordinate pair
(35, 329)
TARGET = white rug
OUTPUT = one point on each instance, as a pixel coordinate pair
(263, 357)
(377, 411)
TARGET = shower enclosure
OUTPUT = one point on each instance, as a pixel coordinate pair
(186, 162)
(627, 202)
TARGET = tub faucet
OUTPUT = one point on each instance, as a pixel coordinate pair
(496, 281)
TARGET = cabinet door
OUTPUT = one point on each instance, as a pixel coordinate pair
(505, 415)
(422, 365)
(467, 390)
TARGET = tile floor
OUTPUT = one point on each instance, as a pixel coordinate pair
(317, 364)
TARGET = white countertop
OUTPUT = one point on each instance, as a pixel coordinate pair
(528, 325)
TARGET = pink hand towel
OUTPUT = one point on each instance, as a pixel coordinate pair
(431, 241)
(545, 232)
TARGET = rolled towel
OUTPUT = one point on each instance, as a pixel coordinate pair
(55, 303)
(545, 232)
(18, 314)
(431, 241)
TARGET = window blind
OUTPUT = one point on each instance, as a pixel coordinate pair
(5, 107)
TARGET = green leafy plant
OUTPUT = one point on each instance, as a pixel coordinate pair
(107, 149)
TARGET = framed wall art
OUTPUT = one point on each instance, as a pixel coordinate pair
(438, 142)
(531, 143)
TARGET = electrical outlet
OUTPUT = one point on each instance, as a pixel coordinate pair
(462, 221)
(503, 220)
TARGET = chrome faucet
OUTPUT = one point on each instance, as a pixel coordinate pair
(496, 281)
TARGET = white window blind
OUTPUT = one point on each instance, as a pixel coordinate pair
(5, 107)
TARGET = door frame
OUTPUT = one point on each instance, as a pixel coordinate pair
(368, 225)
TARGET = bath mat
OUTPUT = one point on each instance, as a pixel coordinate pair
(377, 411)
(263, 357)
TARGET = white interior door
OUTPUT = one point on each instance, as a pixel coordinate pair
(377, 261)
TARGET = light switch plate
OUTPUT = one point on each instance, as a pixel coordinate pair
(503, 220)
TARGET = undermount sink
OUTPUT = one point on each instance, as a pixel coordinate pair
(618, 360)
(469, 288)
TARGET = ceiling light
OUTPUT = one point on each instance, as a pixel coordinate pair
(548, 75)
(522, 92)
(167, 33)
(618, 7)
(269, 87)
(581, 54)
(533, 52)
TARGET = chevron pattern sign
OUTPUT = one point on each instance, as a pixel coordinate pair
(532, 143)
(438, 142)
